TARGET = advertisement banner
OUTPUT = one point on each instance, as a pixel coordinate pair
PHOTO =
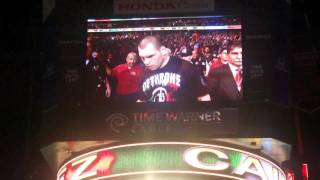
(167, 160)
(221, 121)
(122, 7)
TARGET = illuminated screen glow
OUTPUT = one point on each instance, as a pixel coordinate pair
(198, 59)
(170, 158)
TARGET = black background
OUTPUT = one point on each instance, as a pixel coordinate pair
(29, 68)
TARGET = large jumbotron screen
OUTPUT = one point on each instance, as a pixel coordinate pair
(164, 60)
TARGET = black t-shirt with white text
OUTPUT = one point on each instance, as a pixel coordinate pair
(178, 80)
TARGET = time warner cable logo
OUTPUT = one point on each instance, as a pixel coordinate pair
(117, 121)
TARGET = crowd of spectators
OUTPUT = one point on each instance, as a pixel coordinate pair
(119, 44)
(165, 22)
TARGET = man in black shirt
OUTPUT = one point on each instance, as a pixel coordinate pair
(96, 80)
(167, 78)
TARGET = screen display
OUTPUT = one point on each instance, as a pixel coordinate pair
(164, 60)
